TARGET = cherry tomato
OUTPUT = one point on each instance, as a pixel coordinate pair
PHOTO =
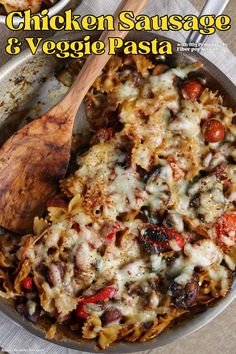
(191, 90)
(213, 131)
(226, 229)
(27, 283)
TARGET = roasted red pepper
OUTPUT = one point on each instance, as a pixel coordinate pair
(157, 239)
(81, 312)
(175, 236)
(27, 283)
(226, 227)
(101, 296)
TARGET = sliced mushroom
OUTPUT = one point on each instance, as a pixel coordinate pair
(185, 296)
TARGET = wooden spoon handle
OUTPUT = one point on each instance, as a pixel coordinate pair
(95, 63)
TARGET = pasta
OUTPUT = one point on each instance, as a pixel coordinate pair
(144, 229)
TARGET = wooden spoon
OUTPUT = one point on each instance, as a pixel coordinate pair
(36, 157)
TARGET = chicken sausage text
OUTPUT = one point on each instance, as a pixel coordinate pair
(127, 21)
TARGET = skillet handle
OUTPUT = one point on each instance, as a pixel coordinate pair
(211, 7)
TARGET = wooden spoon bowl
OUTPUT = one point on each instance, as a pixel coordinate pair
(32, 162)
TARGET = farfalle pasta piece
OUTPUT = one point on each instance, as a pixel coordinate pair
(106, 335)
(76, 205)
(143, 65)
(127, 329)
(66, 186)
(139, 125)
(204, 296)
(7, 291)
(109, 80)
(196, 226)
(46, 299)
(114, 64)
(135, 334)
(229, 119)
(187, 159)
(56, 214)
(100, 109)
(221, 280)
(65, 304)
(50, 334)
(26, 246)
(92, 327)
(214, 283)
(67, 75)
(40, 225)
(132, 332)
(211, 101)
(22, 274)
(191, 152)
(4, 262)
(161, 324)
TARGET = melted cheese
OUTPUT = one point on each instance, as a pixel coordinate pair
(185, 276)
(203, 254)
(157, 263)
(127, 92)
(125, 193)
